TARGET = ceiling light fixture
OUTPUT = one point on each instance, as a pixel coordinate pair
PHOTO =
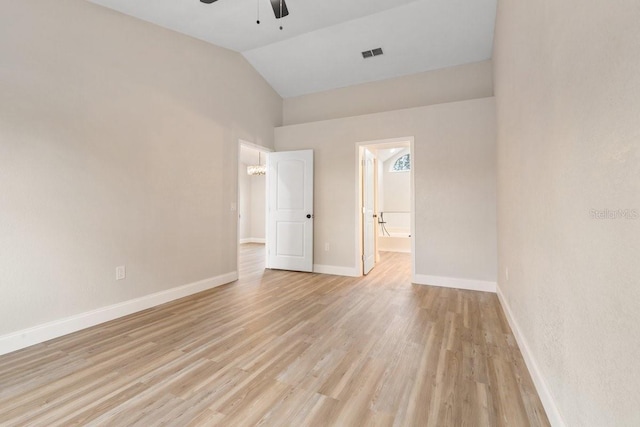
(258, 169)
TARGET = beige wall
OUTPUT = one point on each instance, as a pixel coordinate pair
(568, 107)
(459, 83)
(455, 193)
(396, 196)
(252, 205)
(118, 145)
(258, 206)
(396, 186)
(244, 203)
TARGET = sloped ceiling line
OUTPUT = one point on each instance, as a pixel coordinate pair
(320, 46)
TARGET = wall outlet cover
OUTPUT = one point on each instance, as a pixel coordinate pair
(121, 272)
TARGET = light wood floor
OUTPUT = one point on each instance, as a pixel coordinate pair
(286, 349)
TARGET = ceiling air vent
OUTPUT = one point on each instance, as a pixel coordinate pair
(371, 53)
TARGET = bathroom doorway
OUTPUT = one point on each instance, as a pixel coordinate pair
(385, 206)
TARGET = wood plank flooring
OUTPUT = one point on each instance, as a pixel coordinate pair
(284, 349)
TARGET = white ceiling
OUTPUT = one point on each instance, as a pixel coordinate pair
(386, 153)
(322, 40)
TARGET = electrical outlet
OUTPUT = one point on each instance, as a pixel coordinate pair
(121, 272)
(326, 247)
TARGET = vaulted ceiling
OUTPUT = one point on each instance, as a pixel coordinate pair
(320, 45)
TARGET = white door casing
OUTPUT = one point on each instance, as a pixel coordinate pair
(290, 210)
(368, 211)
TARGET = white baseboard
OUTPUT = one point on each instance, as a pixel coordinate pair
(47, 331)
(454, 282)
(541, 385)
(394, 249)
(335, 270)
(253, 240)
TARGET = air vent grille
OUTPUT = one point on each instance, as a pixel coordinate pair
(371, 53)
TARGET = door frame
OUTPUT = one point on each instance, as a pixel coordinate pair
(363, 207)
(381, 143)
(265, 151)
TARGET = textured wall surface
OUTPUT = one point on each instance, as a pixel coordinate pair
(258, 206)
(469, 81)
(244, 202)
(252, 204)
(118, 146)
(396, 186)
(568, 108)
(454, 165)
(396, 191)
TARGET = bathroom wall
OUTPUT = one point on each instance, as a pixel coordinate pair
(397, 196)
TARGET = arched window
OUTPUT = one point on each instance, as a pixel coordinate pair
(402, 164)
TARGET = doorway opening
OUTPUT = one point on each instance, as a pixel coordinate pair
(275, 210)
(252, 208)
(385, 209)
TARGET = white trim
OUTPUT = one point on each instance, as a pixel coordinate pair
(534, 370)
(253, 240)
(57, 328)
(412, 215)
(358, 222)
(336, 270)
(454, 282)
(256, 147)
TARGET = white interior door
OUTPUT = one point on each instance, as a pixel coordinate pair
(290, 210)
(368, 211)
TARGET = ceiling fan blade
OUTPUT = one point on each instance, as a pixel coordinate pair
(275, 4)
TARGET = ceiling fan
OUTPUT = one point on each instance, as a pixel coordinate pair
(279, 7)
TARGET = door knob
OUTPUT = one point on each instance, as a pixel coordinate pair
(309, 215)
